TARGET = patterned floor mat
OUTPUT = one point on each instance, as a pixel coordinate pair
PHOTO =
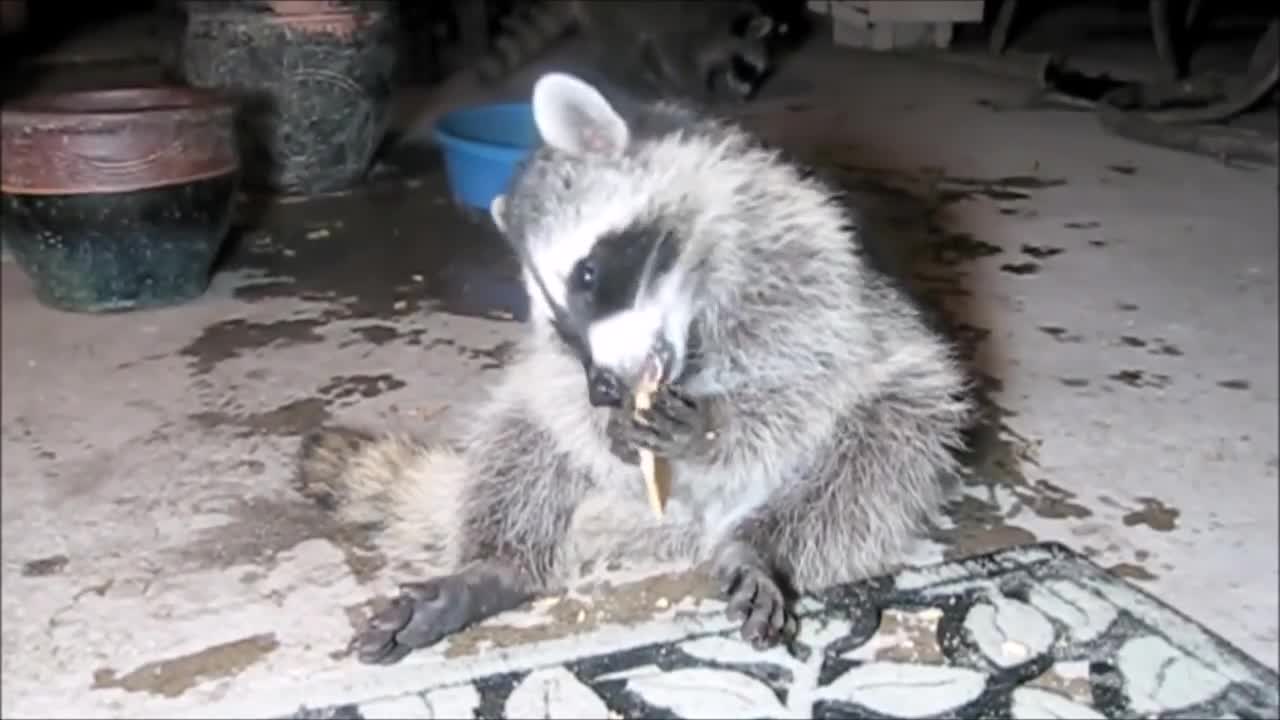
(1030, 632)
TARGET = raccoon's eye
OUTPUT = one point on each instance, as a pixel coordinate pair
(583, 278)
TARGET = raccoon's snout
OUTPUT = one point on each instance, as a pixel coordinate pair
(604, 388)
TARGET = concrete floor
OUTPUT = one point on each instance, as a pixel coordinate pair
(1121, 299)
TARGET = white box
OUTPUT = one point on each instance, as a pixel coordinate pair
(899, 24)
(962, 11)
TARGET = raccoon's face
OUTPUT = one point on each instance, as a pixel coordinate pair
(600, 268)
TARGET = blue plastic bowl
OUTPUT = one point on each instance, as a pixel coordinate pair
(482, 147)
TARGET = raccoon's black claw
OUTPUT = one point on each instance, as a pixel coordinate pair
(674, 426)
(420, 616)
(377, 644)
(426, 612)
(755, 599)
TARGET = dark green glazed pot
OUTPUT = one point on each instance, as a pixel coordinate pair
(313, 79)
(118, 199)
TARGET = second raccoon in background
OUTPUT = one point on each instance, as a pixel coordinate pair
(674, 48)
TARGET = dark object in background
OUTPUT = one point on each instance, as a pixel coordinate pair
(13, 16)
(118, 199)
(314, 80)
(425, 29)
(701, 50)
(1188, 116)
(792, 23)
(170, 22)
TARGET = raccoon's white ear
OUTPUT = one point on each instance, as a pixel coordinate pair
(496, 207)
(575, 118)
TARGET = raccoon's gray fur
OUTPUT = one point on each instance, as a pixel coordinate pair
(809, 414)
(678, 48)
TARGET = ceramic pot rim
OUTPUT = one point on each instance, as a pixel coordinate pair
(116, 140)
(112, 106)
(268, 13)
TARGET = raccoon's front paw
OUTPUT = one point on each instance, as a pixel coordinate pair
(426, 612)
(618, 430)
(422, 615)
(673, 426)
(756, 600)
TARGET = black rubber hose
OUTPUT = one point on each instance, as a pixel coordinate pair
(1184, 116)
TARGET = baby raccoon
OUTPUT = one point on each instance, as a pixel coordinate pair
(807, 411)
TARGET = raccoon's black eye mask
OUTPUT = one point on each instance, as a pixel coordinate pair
(608, 280)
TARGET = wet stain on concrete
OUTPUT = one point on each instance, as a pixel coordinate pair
(229, 339)
(1154, 514)
(378, 334)
(936, 287)
(953, 248)
(490, 358)
(45, 567)
(1141, 379)
(258, 530)
(356, 387)
(293, 418)
(493, 358)
(968, 337)
(1040, 252)
(101, 589)
(1061, 334)
(1155, 346)
(1049, 501)
(173, 677)
(623, 603)
(1015, 187)
(1130, 571)
(1235, 384)
(944, 189)
(142, 361)
(1000, 459)
(1023, 268)
(1159, 346)
(383, 256)
(979, 527)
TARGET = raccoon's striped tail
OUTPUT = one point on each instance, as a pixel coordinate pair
(411, 490)
(525, 33)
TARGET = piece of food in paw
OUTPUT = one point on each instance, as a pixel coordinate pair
(657, 472)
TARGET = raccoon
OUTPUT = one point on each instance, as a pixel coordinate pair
(808, 411)
(676, 48)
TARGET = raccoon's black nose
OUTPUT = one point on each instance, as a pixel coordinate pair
(604, 389)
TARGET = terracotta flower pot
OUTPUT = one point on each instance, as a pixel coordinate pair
(314, 78)
(118, 199)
